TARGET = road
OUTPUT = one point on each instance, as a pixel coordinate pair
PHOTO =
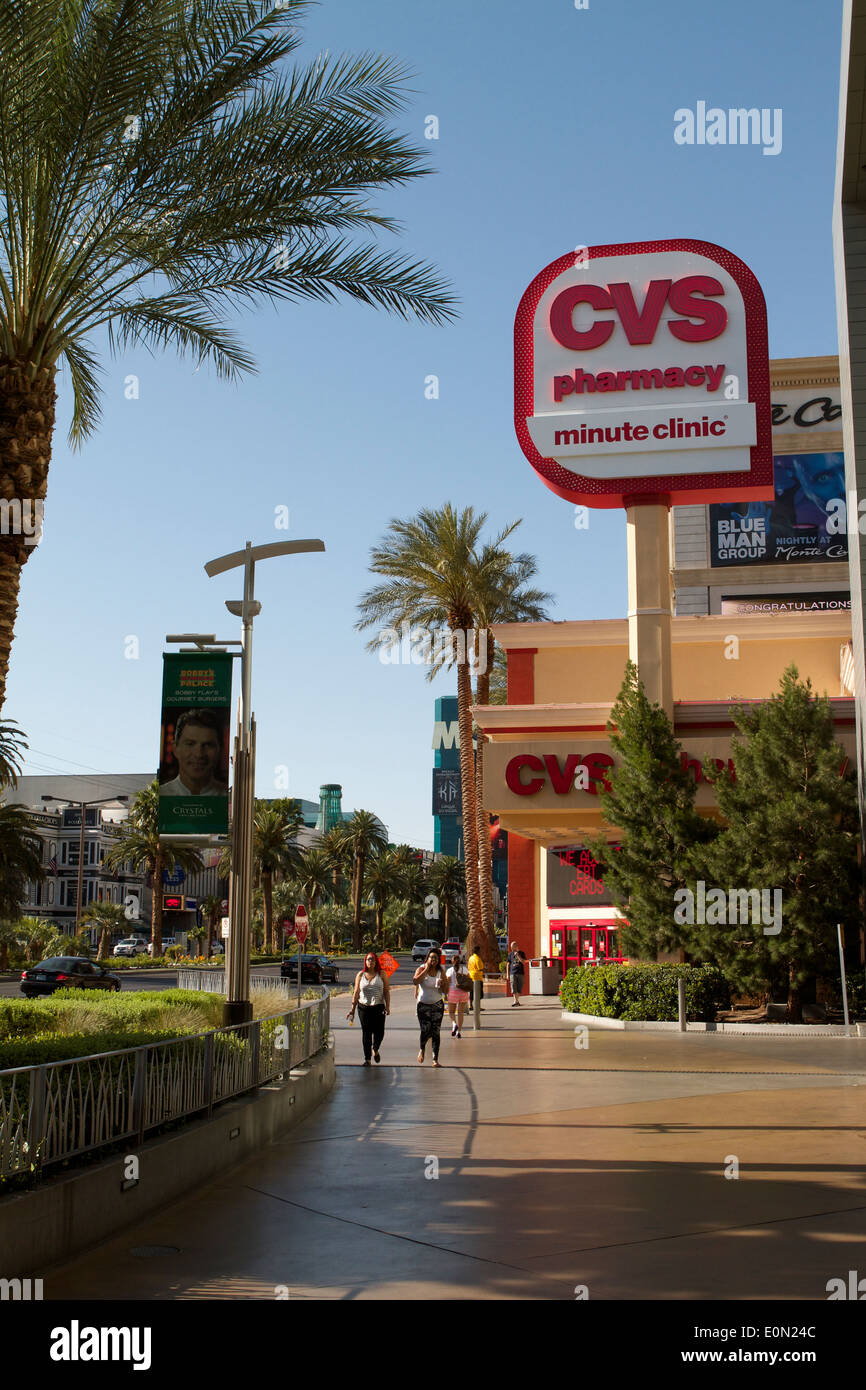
(167, 979)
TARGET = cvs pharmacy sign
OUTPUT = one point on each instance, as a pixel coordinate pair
(642, 371)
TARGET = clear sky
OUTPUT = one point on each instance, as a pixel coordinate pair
(555, 129)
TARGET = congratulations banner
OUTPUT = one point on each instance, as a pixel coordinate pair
(194, 745)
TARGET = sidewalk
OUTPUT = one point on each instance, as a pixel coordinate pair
(557, 1167)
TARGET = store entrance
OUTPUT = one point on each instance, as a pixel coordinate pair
(584, 943)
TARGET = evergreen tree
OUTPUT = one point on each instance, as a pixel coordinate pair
(791, 824)
(652, 803)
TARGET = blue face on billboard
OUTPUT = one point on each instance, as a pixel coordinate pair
(795, 526)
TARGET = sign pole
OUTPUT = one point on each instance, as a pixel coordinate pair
(844, 980)
(649, 599)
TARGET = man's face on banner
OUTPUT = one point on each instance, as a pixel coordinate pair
(820, 477)
(197, 752)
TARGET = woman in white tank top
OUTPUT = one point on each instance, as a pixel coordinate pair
(372, 998)
(431, 983)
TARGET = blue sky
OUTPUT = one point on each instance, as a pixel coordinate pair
(555, 128)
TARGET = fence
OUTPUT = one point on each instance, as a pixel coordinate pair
(62, 1109)
(214, 981)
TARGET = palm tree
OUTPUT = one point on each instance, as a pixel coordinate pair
(139, 844)
(337, 849)
(12, 745)
(432, 571)
(447, 878)
(38, 937)
(8, 939)
(161, 166)
(20, 857)
(211, 908)
(384, 880)
(313, 876)
(368, 837)
(501, 596)
(274, 852)
(106, 917)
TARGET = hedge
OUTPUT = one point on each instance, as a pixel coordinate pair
(644, 993)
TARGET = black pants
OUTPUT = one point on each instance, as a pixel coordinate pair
(430, 1020)
(372, 1027)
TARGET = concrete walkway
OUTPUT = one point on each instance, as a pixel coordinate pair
(557, 1167)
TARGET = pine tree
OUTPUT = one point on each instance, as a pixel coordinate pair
(652, 803)
(791, 825)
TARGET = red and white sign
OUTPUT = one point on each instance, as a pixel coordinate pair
(301, 924)
(641, 372)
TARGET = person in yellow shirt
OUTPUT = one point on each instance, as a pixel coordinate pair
(475, 967)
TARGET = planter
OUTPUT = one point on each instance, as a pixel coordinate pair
(494, 985)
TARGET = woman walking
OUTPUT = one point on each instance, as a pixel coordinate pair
(458, 993)
(431, 983)
(516, 962)
(372, 999)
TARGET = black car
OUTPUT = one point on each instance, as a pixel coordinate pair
(66, 972)
(314, 970)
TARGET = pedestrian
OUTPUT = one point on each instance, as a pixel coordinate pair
(516, 959)
(372, 998)
(431, 983)
(458, 993)
(476, 974)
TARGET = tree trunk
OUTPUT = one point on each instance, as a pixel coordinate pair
(469, 813)
(795, 1003)
(359, 893)
(4, 956)
(156, 906)
(490, 950)
(379, 914)
(26, 427)
(102, 949)
(268, 909)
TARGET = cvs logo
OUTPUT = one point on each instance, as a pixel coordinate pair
(691, 296)
(560, 773)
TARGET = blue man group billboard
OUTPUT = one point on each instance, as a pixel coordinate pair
(799, 526)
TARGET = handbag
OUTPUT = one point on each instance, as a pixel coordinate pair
(463, 980)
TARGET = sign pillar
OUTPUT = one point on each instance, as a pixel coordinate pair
(649, 600)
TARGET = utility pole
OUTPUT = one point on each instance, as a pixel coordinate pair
(82, 806)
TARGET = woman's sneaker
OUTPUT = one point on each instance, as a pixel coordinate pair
(454, 1033)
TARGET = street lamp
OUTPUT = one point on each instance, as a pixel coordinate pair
(238, 1008)
(82, 805)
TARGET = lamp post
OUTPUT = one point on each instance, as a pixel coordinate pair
(82, 805)
(237, 1007)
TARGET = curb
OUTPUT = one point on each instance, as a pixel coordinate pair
(773, 1030)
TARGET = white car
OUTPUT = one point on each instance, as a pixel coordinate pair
(133, 946)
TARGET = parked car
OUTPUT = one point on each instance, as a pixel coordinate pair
(66, 972)
(314, 969)
(451, 948)
(422, 947)
(166, 942)
(132, 946)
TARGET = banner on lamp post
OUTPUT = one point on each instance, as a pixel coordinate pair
(194, 743)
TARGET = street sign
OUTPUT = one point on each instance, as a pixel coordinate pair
(388, 963)
(301, 924)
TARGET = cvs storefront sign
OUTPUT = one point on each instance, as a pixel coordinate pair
(642, 370)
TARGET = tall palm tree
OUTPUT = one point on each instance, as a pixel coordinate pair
(20, 857)
(211, 909)
(367, 836)
(384, 880)
(502, 595)
(274, 852)
(162, 165)
(313, 877)
(106, 917)
(433, 566)
(139, 844)
(447, 879)
(338, 852)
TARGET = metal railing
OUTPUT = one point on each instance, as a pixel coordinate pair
(214, 981)
(59, 1110)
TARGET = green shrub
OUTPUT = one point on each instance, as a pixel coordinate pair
(76, 1011)
(643, 993)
